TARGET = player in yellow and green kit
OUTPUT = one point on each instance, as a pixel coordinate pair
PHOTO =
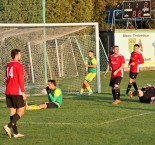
(91, 73)
(54, 97)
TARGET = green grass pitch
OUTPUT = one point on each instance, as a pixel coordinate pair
(87, 120)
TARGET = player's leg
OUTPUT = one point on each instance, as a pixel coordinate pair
(42, 106)
(83, 85)
(20, 112)
(134, 76)
(9, 103)
(88, 80)
(19, 104)
(117, 94)
(111, 84)
(36, 107)
(83, 88)
(86, 84)
(117, 90)
(135, 85)
(12, 113)
(51, 105)
(130, 83)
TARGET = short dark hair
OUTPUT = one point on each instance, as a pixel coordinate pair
(14, 52)
(91, 51)
(115, 46)
(135, 93)
(52, 81)
(136, 45)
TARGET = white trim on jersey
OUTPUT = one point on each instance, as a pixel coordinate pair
(122, 71)
(20, 92)
(138, 68)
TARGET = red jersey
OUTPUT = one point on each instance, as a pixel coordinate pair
(137, 58)
(116, 62)
(14, 78)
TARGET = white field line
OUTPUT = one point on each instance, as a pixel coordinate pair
(98, 123)
(128, 117)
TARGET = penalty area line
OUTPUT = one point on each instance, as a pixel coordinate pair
(98, 123)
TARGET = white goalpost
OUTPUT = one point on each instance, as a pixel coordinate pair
(51, 51)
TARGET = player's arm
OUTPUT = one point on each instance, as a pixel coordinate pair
(21, 80)
(93, 64)
(56, 95)
(107, 70)
(130, 61)
(141, 59)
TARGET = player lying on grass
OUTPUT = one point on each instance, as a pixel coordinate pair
(91, 73)
(146, 94)
(54, 97)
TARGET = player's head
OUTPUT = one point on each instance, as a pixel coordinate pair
(15, 54)
(90, 54)
(51, 84)
(136, 47)
(135, 93)
(116, 49)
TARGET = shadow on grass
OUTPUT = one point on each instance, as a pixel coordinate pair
(133, 108)
(108, 100)
(2, 101)
(104, 97)
(3, 135)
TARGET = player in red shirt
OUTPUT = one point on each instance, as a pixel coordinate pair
(116, 62)
(135, 59)
(15, 95)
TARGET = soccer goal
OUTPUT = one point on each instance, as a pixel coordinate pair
(51, 51)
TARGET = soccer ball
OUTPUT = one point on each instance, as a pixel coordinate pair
(44, 92)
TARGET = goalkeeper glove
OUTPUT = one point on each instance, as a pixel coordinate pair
(48, 90)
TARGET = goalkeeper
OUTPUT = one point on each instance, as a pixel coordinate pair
(54, 97)
(146, 94)
(91, 73)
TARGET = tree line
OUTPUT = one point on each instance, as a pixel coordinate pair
(58, 11)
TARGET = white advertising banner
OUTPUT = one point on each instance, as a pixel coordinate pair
(126, 39)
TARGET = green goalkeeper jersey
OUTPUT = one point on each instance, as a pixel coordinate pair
(56, 96)
(91, 61)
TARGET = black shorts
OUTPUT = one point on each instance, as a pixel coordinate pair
(145, 99)
(114, 81)
(14, 101)
(51, 105)
(133, 75)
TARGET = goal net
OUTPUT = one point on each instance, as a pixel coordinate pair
(50, 51)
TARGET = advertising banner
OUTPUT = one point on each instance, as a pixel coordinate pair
(126, 39)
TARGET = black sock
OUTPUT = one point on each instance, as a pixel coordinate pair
(113, 93)
(14, 127)
(15, 118)
(117, 93)
(128, 88)
(135, 86)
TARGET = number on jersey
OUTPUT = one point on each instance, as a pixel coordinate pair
(10, 72)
